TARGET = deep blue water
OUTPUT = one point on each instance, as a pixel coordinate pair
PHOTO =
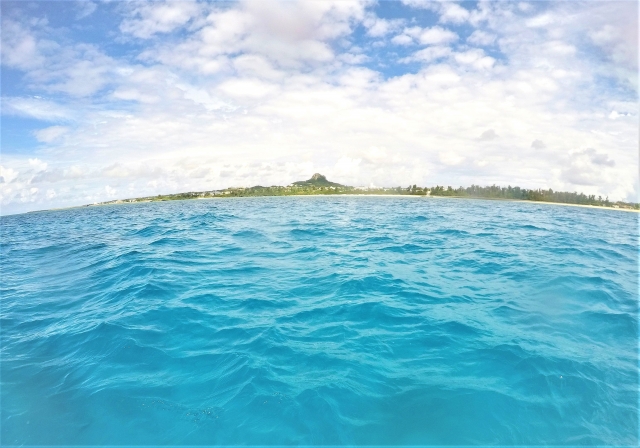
(320, 320)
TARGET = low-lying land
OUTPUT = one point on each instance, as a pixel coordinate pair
(319, 185)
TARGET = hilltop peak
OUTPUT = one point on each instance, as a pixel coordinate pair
(317, 180)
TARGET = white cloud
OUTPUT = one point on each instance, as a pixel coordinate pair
(355, 59)
(559, 48)
(413, 31)
(85, 9)
(377, 27)
(450, 158)
(449, 10)
(481, 38)
(437, 35)
(148, 19)
(525, 7)
(302, 20)
(256, 65)
(7, 175)
(409, 35)
(37, 108)
(347, 167)
(475, 58)
(541, 20)
(86, 71)
(19, 47)
(453, 13)
(38, 165)
(423, 4)
(428, 54)
(615, 31)
(77, 69)
(614, 115)
(402, 39)
(286, 34)
(247, 88)
(133, 94)
(50, 134)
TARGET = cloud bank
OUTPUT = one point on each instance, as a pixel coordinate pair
(117, 99)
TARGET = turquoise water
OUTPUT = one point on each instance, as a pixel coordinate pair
(320, 321)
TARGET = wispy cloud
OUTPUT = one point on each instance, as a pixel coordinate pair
(36, 107)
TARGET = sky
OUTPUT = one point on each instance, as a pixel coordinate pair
(121, 99)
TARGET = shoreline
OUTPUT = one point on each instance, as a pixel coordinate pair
(416, 196)
(220, 197)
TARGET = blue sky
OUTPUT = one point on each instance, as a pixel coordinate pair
(105, 100)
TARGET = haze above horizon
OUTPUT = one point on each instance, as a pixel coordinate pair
(122, 99)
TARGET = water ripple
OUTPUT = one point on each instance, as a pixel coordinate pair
(344, 320)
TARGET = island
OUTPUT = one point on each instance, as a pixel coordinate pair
(319, 185)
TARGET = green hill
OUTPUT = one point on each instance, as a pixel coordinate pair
(317, 180)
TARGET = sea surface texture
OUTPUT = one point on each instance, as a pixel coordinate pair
(320, 321)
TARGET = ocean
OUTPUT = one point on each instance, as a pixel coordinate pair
(320, 321)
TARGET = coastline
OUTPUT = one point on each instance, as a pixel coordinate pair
(415, 196)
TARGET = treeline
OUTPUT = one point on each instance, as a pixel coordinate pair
(474, 191)
(276, 190)
(525, 194)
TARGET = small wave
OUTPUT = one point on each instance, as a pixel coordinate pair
(452, 232)
(344, 321)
